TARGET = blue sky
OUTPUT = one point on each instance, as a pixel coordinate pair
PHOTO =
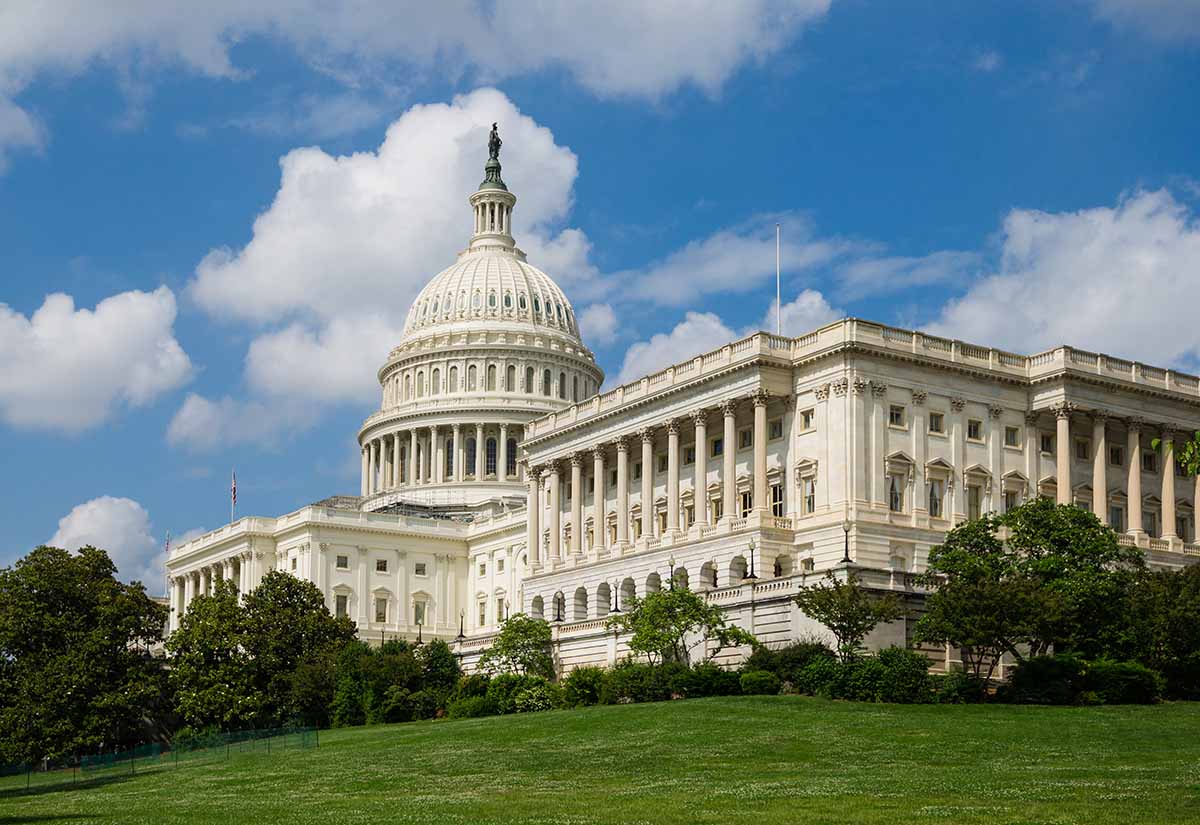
(213, 220)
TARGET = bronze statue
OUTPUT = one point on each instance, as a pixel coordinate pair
(494, 143)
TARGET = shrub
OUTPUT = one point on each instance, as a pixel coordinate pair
(1123, 683)
(471, 707)
(584, 686)
(1182, 676)
(817, 677)
(428, 703)
(862, 680)
(706, 680)
(760, 683)
(958, 688)
(787, 662)
(503, 689)
(472, 686)
(397, 704)
(634, 682)
(1045, 680)
(907, 679)
(541, 696)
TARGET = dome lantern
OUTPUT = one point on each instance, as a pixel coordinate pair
(493, 203)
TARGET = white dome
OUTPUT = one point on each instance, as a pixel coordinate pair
(494, 284)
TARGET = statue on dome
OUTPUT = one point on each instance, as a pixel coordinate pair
(494, 144)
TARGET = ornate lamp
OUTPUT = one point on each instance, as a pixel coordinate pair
(750, 576)
(419, 642)
(846, 546)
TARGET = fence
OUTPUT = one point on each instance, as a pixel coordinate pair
(215, 747)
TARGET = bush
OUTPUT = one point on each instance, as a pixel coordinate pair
(907, 679)
(1123, 683)
(633, 682)
(1045, 680)
(471, 707)
(818, 676)
(706, 679)
(760, 683)
(472, 686)
(862, 680)
(787, 662)
(397, 705)
(958, 688)
(1182, 676)
(503, 689)
(584, 686)
(541, 696)
(428, 703)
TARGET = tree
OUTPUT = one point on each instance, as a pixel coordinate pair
(522, 646)
(1187, 454)
(439, 666)
(662, 623)
(210, 670)
(848, 610)
(1162, 629)
(76, 674)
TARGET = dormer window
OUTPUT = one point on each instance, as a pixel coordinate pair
(508, 300)
(491, 300)
(521, 302)
(537, 305)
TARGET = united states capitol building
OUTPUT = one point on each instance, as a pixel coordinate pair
(497, 477)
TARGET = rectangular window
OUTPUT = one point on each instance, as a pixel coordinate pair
(381, 610)
(974, 430)
(662, 523)
(935, 498)
(637, 470)
(974, 501)
(482, 614)
(293, 563)
(745, 439)
(777, 500)
(808, 419)
(1181, 528)
(937, 422)
(499, 611)
(896, 493)
(637, 528)
(775, 429)
(689, 515)
(717, 447)
(499, 565)
(662, 463)
(612, 478)
(1150, 524)
(1047, 443)
(1116, 456)
(810, 496)
(1010, 500)
(482, 569)
(1083, 449)
(341, 605)
(1116, 518)
(419, 613)
(343, 562)
(1012, 437)
(419, 569)
(1150, 462)
(896, 415)
(747, 501)
(380, 565)
(714, 507)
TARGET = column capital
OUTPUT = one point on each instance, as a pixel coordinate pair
(958, 404)
(622, 442)
(673, 426)
(821, 393)
(995, 410)
(457, 428)
(859, 385)
(1099, 416)
(598, 452)
(699, 417)
(760, 397)
(1134, 424)
(1032, 417)
(577, 459)
(1063, 410)
(1167, 433)
(919, 397)
(729, 407)
(553, 466)
(647, 435)
(535, 473)
(878, 388)
(840, 386)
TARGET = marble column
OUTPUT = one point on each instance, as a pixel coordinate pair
(648, 482)
(761, 502)
(366, 460)
(397, 462)
(622, 491)
(1168, 484)
(412, 457)
(1062, 453)
(1100, 465)
(673, 476)
(1134, 485)
(699, 483)
(502, 454)
(729, 508)
(459, 452)
(480, 449)
(439, 463)
(577, 503)
(533, 537)
(555, 552)
(599, 514)
(189, 592)
(385, 459)
(372, 476)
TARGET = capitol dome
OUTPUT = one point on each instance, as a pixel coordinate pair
(490, 344)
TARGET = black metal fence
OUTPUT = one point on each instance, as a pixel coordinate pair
(215, 747)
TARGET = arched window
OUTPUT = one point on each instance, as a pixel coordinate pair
(537, 305)
(575, 388)
(475, 302)
(547, 390)
(510, 458)
(407, 387)
(471, 378)
(490, 469)
(449, 457)
(435, 306)
(491, 378)
(453, 379)
(529, 379)
(562, 385)
(491, 300)
(510, 379)
(580, 605)
(508, 300)
(420, 384)
(436, 382)
(469, 467)
(521, 301)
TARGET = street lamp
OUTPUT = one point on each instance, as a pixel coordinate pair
(846, 550)
(616, 608)
(750, 576)
(462, 618)
(671, 574)
(419, 642)
(558, 609)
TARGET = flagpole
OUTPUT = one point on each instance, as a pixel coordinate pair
(778, 303)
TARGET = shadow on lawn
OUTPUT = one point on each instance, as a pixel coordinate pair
(62, 788)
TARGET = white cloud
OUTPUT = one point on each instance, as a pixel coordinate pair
(1159, 19)
(121, 527)
(598, 324)
(1122, 279)
(988, 61)
(68, 369)
(879, 275)
(808, 312)
(18, 130)
(201, 424)
(618, 48)
(698, 332)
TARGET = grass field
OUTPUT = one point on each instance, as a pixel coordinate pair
(751, 759)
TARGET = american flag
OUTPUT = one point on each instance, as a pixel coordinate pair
(233, 490)
(167, 546)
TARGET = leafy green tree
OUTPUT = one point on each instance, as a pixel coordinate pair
(439, 666)
(76, 674)
(848, 610)
(1162, 630)
(522, 646)
(666, 626)
(210, 671)
(1187, 454)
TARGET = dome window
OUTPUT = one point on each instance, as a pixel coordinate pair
(558, 309)
(462, 300)
(537, 305)
(435, 306)
(491, 300)
(521, 301)
(508, 300)
(475, 301)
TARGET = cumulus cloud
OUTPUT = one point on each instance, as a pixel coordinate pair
(598, 324)
(879, 275)
(69, 369)
(120, 526)
(1122, 279)
(809, 311)
(698, 332)
(621, 48)
(1158, 19)
(202, 424)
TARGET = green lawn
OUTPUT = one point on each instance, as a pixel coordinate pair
(762, 760)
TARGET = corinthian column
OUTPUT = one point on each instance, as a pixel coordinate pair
(397, 464)
(673, 476)
(502, 454)
(555, 515)
(622, 491)
(1168, 484)
(366, 460)
(576, 503)
(599, 516)
(760, 450)
(533, 539)
(480, 447)
(729, 461)
(699, 492)
(1100, 465)
(1062, 452)
(373, 475)
(1134, 488)
(648, 483)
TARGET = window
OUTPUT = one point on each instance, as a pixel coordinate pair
(777, 500)
(499, 611)
(810, 496)
(1150, 524)
(896, 416)
(449, 451)
(937, 422)
(341, 605)
(1181, 527)
(808, 419)
(562, 385)
(419, 569)
(717, 447)
(529, 379)
(419, 613)
(896, 493)
(745, 439)
(974, 502)
(499, 565)
(491, 377)
(343, 562)
(637, 470)
(1010, 500)
(482, 614)
(1012, 437)
(490, 468)
(510, 379)
(775, 429)
(293, 563)
(547, 389)
(662, 463)
(936, 492)
(510, 458)
(469, 467)
(689, 515)
(1116, 456)
(612, 477)
(747, 504)
(1083, 449)
(1047, 443)
(381, 610)
(689, 455)
(435, 382)
(453, 379)
(380, 565)
(1149, 462)
(714, 507)
(472, 373)
(482, 569)
(974, 430)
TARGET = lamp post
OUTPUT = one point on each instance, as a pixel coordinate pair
(671, 573)
(616, 608)
(846, 546)
(462, 618)
(419, 642)
(558, 609)
(750, 576)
